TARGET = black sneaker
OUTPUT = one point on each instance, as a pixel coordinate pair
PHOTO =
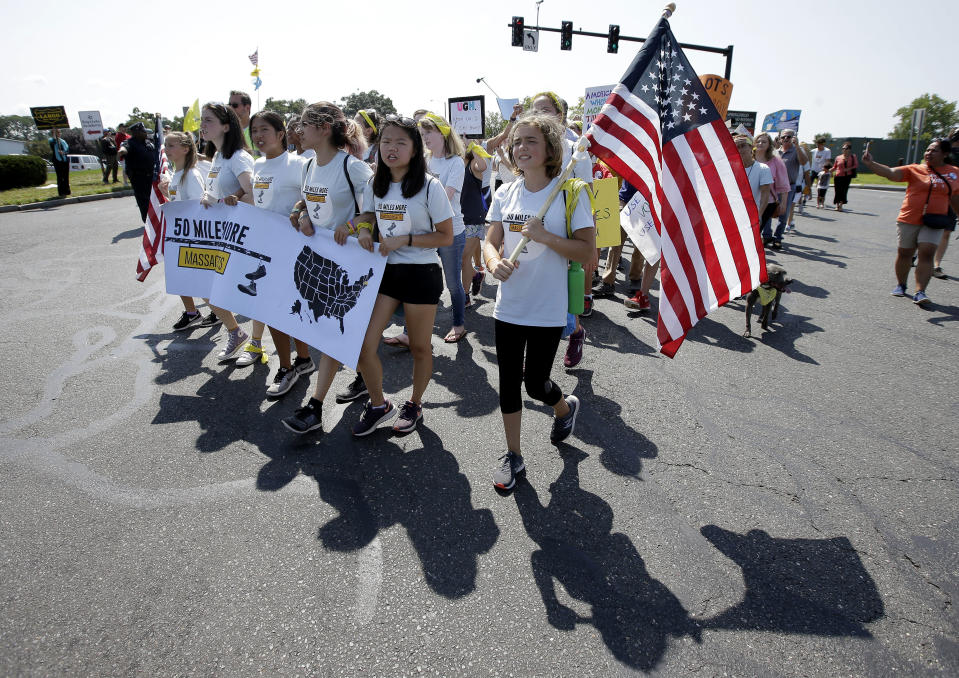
(373, 417)
(410, 415)
(356, 389)
(209, 320)
(604, 290)
(563, 426)
(304, 366)
(511, 465)
(187, 320)
(306, 419)
(282, 382)
(587, 307)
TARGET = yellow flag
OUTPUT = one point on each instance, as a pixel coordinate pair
(191, 121)
(255, 72)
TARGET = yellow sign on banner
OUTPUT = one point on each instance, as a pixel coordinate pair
(719, 90)
(606, 212)
(198, 257)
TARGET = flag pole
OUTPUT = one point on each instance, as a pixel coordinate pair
(582, 145)
(668, 10)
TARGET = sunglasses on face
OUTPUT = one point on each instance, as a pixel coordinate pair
(234, 105)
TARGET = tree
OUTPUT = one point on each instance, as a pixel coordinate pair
(372, 99)
(494, 124)
(137, 115)
(19, 127)
(285, 107)
(941, 118)
(577, 109)
(827, 137)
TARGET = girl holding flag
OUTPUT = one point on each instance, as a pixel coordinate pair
(531, 304)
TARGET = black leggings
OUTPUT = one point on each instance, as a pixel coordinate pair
(512, 341)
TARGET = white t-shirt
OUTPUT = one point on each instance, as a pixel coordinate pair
(824, 179)
(307, 154)
(758, 175)
(190, 189)
(329, 200)
(584, 168)
(222, 180)
(204, 166)
(276, 182)
(819, 158)
(536, 292)
(396, 215)
(451, 172)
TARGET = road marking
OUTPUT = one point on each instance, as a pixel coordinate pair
(370, 571)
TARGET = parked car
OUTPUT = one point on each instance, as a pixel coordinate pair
(83, 162)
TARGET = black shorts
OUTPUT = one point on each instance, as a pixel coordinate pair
(413, 283)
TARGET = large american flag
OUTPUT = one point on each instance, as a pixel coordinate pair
(660, 131)
(151, 247)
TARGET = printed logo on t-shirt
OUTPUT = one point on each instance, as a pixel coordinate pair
(513, 223)
(392, 218)
(317, 197)
(211, 177)
(260, 186)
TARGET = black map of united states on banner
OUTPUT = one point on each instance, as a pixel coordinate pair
(325, 286)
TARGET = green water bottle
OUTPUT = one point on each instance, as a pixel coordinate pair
(576, 279)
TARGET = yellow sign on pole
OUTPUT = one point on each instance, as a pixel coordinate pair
(191, 121)
(606, 212)
(719, 90)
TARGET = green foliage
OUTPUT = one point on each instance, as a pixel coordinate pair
(578, 108)
(19, 127)
(941, 118)
(826, 136)
(17, 171)
(285, 107)
(145, 117)
(494, 124)
(372, 99)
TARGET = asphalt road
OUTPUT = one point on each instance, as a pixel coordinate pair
(778, 506)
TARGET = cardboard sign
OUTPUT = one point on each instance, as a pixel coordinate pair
(780, 120)
(468, 116)
(49, 117)
(606, 212)
(593, 103)
(745, 119)
(719, 90)
(92, 124)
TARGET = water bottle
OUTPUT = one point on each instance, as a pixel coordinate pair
(576, 279)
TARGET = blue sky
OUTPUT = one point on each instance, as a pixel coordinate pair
(847, 65)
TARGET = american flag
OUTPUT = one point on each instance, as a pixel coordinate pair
(151, 247)
(660, 131)
(255, 57)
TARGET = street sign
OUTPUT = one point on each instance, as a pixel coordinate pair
(918, 119)
(530, 40)
(92, 125)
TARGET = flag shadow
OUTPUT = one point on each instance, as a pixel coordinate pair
(812, 254)
(376, 484)
(462, 376)
(806, 586)
(634, 613)
(127, 235)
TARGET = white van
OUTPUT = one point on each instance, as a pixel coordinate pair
(83, 162)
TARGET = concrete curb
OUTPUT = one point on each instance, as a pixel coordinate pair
(878, 187)
(47, 204)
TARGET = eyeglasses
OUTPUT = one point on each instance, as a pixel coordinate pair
(233, 105)
(400, 120)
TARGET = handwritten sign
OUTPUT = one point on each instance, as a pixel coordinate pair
(468, 115)
(606, 212)
(593, 103)
(719, 90)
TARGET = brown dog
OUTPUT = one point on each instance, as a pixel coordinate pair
(768, 294)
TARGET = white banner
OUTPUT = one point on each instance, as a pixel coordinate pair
(252, 262)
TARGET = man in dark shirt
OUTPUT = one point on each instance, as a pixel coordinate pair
(108, 148)
(140, 156)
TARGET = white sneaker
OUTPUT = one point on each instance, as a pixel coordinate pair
(282, 382)
(251, 355)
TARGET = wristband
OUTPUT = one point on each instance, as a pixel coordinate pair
(364, 225)
(409, 242)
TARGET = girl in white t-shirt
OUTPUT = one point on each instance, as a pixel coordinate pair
(231, 173)
(276, 187)
(369, 122)
(532, 300)
(414, 218)
(332, 185)
(186, 184)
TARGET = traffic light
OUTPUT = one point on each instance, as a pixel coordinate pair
(518, 26)
(566, 36)
(612, 41)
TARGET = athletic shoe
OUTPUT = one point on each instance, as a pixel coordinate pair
(920, 298)
(307, 418)
(251, 354)
(504, 475)
(304, 366)
(563, 426)
(410, 415)
(604, 290)
(373, 417)
(777, 244)
(209, 320)
(187, 320)
(637, 302)
(355, 390)
(574, 352)
(587, 307)
(477, 282)
(899, 291)
(234, 344)
(635, 285)
(257, 274)
(936, 273)
(282, 382)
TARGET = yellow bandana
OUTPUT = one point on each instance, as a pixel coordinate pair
(438, 122)
(766, 294)
(369, 121)
(476, 149)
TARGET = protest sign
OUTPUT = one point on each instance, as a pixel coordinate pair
(606, 212)
(593, 102)
(92, 125)
(636, 218)
(49, 117)
(780, 120)
(468, 115)
(506, 107)
(250, 261)
(719, 90)
(746, 119)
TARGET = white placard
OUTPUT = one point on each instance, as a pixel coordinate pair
(92, 124)
(593, 103)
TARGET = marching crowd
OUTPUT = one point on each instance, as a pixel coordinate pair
(446, 212)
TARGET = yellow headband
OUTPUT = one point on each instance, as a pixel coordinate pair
(369, 121)
(476, 149)
(555, 97)
(439, 124)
